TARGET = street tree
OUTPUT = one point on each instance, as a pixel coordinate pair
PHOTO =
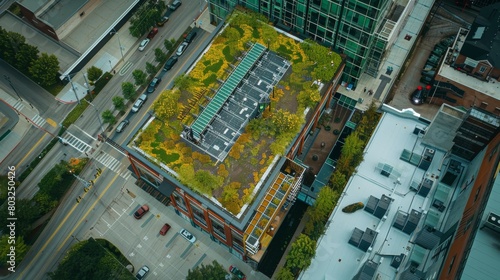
(169, 44)
(10, 44)
(139, 77)
(94, 73)
(45, 69)
(160, 56)
(213, 271)
(25, 57)
(128, 90)
(119, 103)
(150, 69)
(5, 248)
(108, 117)
(142, 21)
(301, 254)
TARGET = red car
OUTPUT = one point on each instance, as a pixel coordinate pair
(141, 211)
(236, 272)
(152, 33)
(164, 229)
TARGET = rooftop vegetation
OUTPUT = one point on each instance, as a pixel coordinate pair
(233, 180)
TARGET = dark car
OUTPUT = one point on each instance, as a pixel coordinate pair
(142, 272)
(418, 96)
(176, 4)
(164, 229)
(236, 272)
(152, 33)
(154, 83)
(190, 36)
(122, 126)
(162, 21)
(141, 211)
(170, 63)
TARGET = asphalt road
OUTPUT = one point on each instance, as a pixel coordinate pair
(70, 220)
(35, 140)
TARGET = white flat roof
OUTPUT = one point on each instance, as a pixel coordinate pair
(337, 259)
(491, 88)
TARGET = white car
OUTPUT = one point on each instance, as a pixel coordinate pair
(143, 44)
(182, 48)
(186, 234)
(142, 272)
(139, 102)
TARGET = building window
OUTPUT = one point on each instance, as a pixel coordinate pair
(467, 225)
(179, 200)
(198, 214)
(483, 105)
(218, 228)
(482, 69)
(237, 241)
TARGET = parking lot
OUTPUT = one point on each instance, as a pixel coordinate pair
(442, 25)
(168, 257)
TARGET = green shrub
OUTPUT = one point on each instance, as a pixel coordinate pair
(351, 208)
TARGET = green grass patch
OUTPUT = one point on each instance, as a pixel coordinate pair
(164, 157)
(284, 49)
(102, 82)
(210, 80)
(75, 114)
(214, 67)
(227, 54)
(299, 59)
(207, 62)
(255, 33)
(240, 30)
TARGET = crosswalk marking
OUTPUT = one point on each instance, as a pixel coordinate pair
(109, 161)
(18, 105)
(76, 143)
(39, 121)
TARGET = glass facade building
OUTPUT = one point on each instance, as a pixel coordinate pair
(355, 28)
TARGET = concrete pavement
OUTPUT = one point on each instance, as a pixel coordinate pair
(28, 116)
(114, 58)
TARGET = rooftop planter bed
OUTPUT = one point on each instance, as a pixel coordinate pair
(232, 181)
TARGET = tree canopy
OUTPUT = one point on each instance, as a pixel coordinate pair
(44, 70)
(146, 17)
(89, 260)
(213, 271)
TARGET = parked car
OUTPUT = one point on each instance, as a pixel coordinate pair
(176, 4)
(170, 63)
(186, 234)
(142, 272)
(190, 36)
(143, 44)
(152, 33)
(154, 83)
(182, 48)
(162, 21)
(426, 79)
(418, 96)
(428, 73)
(164, 229)
(141, 211)
(138, 103)
(122, 126)
(236, 272)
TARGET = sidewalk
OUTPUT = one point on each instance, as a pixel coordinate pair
(25, 112)
(113, 56)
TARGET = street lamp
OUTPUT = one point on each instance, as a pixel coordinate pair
(87, 85)
(119, 42)
(97, 113)
(73, 87)
(12, 86)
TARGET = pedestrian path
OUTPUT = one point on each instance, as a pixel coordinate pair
(113, 164)
(75, 142)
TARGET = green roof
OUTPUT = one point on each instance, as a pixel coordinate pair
(200, 124)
